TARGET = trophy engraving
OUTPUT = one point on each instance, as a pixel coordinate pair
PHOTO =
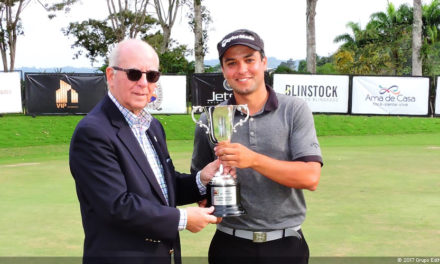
(223, 190)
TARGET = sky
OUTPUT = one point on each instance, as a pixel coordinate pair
(280, 23)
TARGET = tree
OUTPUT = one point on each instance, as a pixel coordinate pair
(198, 37)
(166, 18)
(288, 66)
(393, 29)
(417, 38)
(383, 47)
(359, 54)
(283, 68)
(10, 29)
(199, 19)
(311, 39)
(125, 20)
(128, 21)
(174, 61)
(430, 51)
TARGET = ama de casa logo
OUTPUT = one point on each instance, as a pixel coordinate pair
(389, 96)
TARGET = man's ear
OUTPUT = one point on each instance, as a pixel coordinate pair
(109, 73)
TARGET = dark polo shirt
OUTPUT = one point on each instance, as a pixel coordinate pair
(284, 130)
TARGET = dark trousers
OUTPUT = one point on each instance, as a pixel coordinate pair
(228, 249)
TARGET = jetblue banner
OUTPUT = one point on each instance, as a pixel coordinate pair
(209, 89)
(212, 88)
(170, 95)
(437, 97)
(58, 93)
(10, 92)
(390, 95)
(323, 93)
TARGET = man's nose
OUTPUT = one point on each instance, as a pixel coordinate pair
(143, 79)
(242, 67)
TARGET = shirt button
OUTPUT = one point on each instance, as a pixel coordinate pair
(251, 119)
(252, 133)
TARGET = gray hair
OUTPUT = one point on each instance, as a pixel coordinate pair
(114, 56)
(113, 59)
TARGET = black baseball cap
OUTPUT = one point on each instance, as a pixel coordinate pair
(240, 37)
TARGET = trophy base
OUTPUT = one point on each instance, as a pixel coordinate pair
(228, 210)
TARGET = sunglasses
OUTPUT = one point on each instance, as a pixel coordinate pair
(134, 74)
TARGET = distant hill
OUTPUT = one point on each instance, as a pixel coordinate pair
(272, 62)
(67, 69)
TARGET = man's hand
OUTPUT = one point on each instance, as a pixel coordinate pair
(199, 218)
(209, 171)
(203, 203)
(234, 155)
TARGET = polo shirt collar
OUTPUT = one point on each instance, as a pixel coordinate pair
(270, 105)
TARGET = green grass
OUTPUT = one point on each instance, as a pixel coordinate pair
(20, 130)
(378, 194)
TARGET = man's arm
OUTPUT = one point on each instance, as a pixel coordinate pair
(103, 188)
(293, 174)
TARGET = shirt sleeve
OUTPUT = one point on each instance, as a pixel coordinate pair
(202, 188)
(183, 219)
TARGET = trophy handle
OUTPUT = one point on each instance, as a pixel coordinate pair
(242, 121)
(198, 122)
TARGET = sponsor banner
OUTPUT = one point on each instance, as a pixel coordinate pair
(390, 95)
(323, 93)
(170, 96)
(211, 88)
(10, 92)
(437, 97)
(59, 93)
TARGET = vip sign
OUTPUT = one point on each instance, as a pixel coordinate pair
(66, 96)
(390, 95)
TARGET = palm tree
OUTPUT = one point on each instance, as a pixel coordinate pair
(430, 51)
(359, 53)
(394, 30)
(311, 38)
(417, 38)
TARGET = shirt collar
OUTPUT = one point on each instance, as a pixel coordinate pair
(270, 105)
(143, 119)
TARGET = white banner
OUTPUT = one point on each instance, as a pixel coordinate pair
(323, 93)
(437, 97)
(171, 95)
(10, 92)
(390, 95)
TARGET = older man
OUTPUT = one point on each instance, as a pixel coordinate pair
(125, 180)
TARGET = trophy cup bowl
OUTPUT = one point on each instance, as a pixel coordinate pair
(223, 190)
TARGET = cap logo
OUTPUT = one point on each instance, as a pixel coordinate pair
(241, 36)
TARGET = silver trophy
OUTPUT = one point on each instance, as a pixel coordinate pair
(223, 190)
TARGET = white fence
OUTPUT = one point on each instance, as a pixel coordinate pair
(377, 95)
(10, 92)
(323, 93)
(390, 95)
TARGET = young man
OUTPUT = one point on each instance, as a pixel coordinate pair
(125, 180)
(276, 154)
